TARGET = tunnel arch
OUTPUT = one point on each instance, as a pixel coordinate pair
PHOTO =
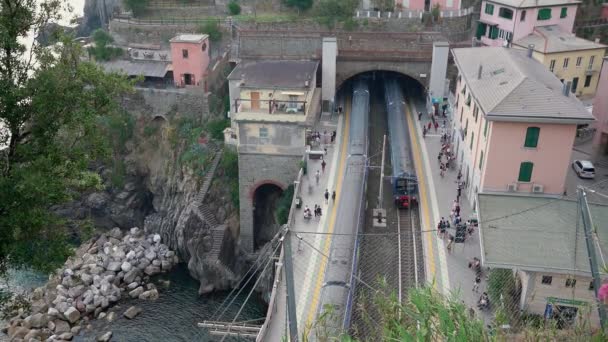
(405, 80)
(265, 196)
(348, 70)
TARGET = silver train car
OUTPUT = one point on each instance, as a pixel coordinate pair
(338, 287)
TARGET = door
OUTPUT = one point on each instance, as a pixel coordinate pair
(255, 100)
(574, 84)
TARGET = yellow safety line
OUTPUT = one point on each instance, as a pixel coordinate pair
(312, 309)
(422, 190)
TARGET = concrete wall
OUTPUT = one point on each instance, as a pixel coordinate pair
(328, 67)
(506, 151)
(535, 294)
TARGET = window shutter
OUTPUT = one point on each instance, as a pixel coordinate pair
(481, 160)
(544, 14)
(485, 129)
(493, 32)
(532, 134)
(489, 9)
(481, 30)
(564, 12)
(525, 171)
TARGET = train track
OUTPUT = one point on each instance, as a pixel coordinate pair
(409, 253)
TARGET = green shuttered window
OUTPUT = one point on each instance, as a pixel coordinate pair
(564, 12)
(525, 171)
(532, 137)
(493, 32)
(481, 30)
(489, 9)
(544, 14)
(481, 160)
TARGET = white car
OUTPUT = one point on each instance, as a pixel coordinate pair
(584, 169)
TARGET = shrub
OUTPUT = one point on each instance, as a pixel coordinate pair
(284, 205)
(299, 4)
(101, 51)
(216, 128)
(234, 8)
(136, 6)
(350, 24)
(212, 29)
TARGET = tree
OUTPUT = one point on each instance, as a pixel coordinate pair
(137, 6)
(299, 4)
(384, 5)
(101, 51)
(329, 12)
(234, 8)
(212, 29)
(54, 110)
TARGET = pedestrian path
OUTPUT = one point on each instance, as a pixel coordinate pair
(306, 245)
(458, 276)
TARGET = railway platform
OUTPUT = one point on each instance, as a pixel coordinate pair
(451, 267)
(307, 238)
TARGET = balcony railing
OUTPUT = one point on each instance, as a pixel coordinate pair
(269, 106)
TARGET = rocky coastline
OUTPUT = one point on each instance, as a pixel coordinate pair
(102, 272)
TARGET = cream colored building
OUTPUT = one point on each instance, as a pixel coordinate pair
(573, 60)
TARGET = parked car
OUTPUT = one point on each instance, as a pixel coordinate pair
(584, 168)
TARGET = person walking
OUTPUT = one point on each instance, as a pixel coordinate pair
(457, 209)
(428, 128)
(476, 283)
(458, 194)
(333, 136)
(424, 131)
(333, 195)
(450, 243)
(319, 211)
(323, 164)
(436, 126)
(419, 116)
(315, 211)
(326, 196)
(317, 176)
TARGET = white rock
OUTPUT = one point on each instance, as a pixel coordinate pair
(114, 266)
(131, 255)
(111, 316)
(53, 312)
(166, 265)
(72, 314)
(86, 278)
(156, 238)
(136, 292)
(133, 285)
(126, 266)
(151, 295)
(132, 312)
(66, 336)
(68, 272)
(105, 337)
(150, 255)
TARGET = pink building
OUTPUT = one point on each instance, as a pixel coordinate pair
(600, 111)
(503, 21)
(426, 5)
(190, 56)
(514, 123)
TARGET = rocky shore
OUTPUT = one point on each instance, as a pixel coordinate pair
(103, 271)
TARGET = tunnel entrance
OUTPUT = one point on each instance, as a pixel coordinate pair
(265, 225)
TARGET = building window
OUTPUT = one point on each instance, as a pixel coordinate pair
(475, 111)
(472, 137)
(489, 9)
(481, 160)
(547, 280)
(466, 127)
(591, 286)
(464, 90)
(570, 282)
(485, 129)
(552, 65)
(566, 60)
(532, 137)
(588, 80)
(468, 101)
(564, 12)
(574, 84)
(578, 61)
(525, 172)
(544, 14)
(523, 16)
(185, 53)
(461, 112)
(263, 132)
(494, 32)
(481, 30)
(506, 13)
(591, 60)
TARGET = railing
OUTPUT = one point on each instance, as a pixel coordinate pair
(273, 296)
(412, 14)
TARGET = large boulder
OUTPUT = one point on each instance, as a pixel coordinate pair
(152, 295)
(105, 337)
(131, 275)
(132, 312)
(72, 314)
(136, 292)
(76, 291)
(114, 266)
(97, 200)
(61, 326)
(37, 321)
(126, 266)
(115, 233)
(152, 270)
(150, 254)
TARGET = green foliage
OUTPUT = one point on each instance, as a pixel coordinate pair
(197, 157)
(101, 51)
(384, 5)
(150, 130)
(53, 114)
(212, 29)
(284, 205)
(118, 174)
(230, 165)
(329, 12)
(503, 293)
(216, 128)
(234, 8)
(436, 10)
(350, 24)
(304, 166)
(299, 4)
(137, 6)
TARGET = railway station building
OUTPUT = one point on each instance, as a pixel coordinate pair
(540, 240)
(514, 123)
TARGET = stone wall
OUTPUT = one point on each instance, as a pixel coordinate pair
(256, 170)
(167, 103)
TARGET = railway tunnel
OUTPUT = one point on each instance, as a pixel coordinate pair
(265, 201)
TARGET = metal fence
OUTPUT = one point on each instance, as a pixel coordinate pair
(412, 14)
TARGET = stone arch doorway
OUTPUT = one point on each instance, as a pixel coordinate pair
(156, 126)
(265, 198)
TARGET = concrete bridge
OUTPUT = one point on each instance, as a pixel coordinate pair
(342, 55)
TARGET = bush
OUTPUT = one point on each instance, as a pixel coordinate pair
(299, 4)
(101, 51)
(234, 8)
(350, 24)
(284, 205)
(212, 29)
(216, 128)
(136, 6)
(230, 165)
(328, 12)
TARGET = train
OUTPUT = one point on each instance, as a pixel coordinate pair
(339, 285)
(403, 180)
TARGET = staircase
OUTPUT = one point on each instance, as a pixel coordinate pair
(204, 213)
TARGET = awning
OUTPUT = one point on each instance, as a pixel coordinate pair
(297, 93)
(487, 22)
